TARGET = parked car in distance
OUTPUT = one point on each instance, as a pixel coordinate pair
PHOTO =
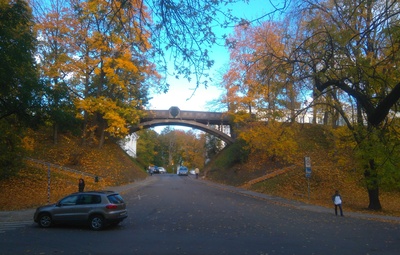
(94, 208)
(162, 170)
(156, 170)
(183, 170)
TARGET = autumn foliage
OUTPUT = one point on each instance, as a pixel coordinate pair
(332, 161)
(324, 62)
(29, 188)
(272, 141)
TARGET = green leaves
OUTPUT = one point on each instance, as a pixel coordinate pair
(19, 86)
(20, 90)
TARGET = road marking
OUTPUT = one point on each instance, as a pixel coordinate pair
(6, 226)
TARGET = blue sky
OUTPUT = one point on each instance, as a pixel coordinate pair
(180, 92)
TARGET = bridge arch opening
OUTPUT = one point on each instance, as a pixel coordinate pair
(191, 124)
(204, 121)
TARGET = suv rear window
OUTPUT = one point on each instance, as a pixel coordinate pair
(115, 199)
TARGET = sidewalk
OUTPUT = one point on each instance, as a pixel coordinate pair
(27, 215)
(303, 206)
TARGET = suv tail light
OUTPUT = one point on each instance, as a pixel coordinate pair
(111, 206)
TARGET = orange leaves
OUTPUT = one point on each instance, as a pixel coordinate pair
(257, 81)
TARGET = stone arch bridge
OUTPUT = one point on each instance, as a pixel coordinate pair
(210, 122)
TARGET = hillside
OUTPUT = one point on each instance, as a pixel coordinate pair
(328, 174)
(30, 187)
(113, 167)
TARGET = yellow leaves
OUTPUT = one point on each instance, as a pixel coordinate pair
(344, 142)
(103, 62)
(116, 124)
(29, 188)
(115, 114)
(273, 140)
(114, 67)
(28, 143)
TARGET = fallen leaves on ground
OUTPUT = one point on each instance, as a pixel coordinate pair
(32, 187)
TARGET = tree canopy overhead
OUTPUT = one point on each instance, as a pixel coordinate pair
(184, 31)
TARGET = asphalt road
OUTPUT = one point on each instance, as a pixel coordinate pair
(170, 214)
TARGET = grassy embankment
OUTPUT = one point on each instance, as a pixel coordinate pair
(29, 188)
(327, 175)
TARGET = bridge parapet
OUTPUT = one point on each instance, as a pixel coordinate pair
(210, 122)
(207, 118)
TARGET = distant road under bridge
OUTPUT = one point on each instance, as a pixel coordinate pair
(206, 121)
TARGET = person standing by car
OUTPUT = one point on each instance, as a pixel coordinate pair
(197, 171)
(337, 201)
(81, 185)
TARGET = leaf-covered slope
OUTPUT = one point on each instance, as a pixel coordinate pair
(332, 169)
(30, 187)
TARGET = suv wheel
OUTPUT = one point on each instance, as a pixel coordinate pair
(96, 222)
(45, 220)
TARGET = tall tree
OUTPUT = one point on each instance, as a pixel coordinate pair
(257, 82)
(350, 50)
(182, 147)
(53, 23)
(193, 149)
(147, 146)
(99, 49)
(19, 86)
(117, 89)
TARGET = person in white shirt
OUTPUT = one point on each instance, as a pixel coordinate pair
(337, 201)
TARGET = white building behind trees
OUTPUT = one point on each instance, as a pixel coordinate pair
(129, 144)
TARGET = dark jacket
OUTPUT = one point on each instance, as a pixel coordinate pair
(81, 186)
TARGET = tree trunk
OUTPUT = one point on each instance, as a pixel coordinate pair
(84, 128)
(371, 176)
(326, 118)
(335, 119)
(374, 202)
(102, 127)
(314, 109)
(55, 133)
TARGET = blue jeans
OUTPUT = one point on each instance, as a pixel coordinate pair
(340, 207)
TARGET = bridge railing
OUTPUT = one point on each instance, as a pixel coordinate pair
(216, 118)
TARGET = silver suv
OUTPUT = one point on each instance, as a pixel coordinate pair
(96, 208)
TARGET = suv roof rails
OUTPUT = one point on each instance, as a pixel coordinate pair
(96, 191)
